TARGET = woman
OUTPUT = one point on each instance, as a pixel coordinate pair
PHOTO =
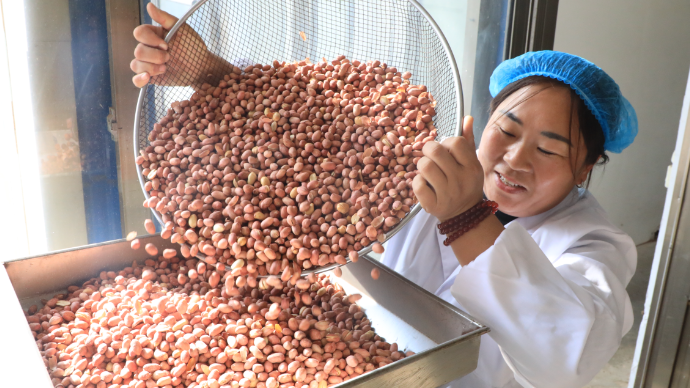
(548, 273)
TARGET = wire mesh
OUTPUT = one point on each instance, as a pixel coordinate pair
(397, 32)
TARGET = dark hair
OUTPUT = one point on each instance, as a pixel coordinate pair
(591, 130)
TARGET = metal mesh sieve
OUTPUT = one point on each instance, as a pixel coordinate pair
(397, 32)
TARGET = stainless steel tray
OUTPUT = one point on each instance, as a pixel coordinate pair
(445, 338)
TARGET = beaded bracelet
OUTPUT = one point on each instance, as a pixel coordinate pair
(461, 224)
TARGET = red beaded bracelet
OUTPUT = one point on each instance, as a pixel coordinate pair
(461, 224)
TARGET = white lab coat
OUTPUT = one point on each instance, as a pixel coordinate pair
(551, 288)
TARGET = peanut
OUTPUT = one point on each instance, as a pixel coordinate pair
(151, 249)
(289, 166)
(354, 256)
(141, 327)
(149, 226)
(377, 248)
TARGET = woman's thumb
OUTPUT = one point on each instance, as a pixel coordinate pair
(467, 128)
(166, 20)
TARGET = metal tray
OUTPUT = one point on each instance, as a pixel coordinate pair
(445, 338)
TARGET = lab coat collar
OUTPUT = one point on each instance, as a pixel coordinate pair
(563, 228)
(533, 222)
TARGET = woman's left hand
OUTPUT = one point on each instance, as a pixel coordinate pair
(450, 178)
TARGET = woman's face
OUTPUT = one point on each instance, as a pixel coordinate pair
(532, 154)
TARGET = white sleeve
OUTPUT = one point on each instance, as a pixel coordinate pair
(415, 254)
(559, 323)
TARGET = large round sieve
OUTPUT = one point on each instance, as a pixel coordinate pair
(397, 32)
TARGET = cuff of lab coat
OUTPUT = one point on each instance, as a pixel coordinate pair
(493, 261)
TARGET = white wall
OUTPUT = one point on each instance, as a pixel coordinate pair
(644, 46)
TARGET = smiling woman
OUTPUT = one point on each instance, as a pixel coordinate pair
(554, 133)
(551, 283)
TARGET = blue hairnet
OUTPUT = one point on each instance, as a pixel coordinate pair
(597, 89)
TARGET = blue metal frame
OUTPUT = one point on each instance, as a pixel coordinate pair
(491, 43)
(91, 67)
(144, 16)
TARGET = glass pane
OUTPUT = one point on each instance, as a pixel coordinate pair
(451, 17)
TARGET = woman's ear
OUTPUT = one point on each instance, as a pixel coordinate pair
(582, 176)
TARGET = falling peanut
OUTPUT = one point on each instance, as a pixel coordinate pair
(151, 249)
(354, 256)
(377, 248)
(149, 226)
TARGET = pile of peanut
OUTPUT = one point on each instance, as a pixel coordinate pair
(141, 327)
(288, 167)
(274, 170)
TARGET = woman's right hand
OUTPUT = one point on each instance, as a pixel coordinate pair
(152, 54)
